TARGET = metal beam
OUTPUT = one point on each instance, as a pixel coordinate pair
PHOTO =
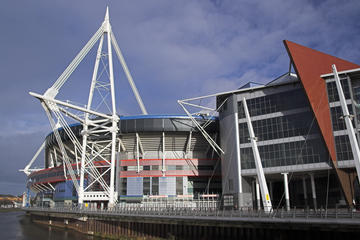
(75, 62)
(163, 169)
(257, 187)
(305, 191)
(313, 190)
(128, 75)
(188, 145)
(44, 98)
(349, 127)
(259, 169)
(112, 197)
(137, 153)
(208, 138)
(27, 167)
(286, 188)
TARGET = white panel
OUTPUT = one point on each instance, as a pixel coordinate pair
(167, 185)
(134, 186)
(185, 185)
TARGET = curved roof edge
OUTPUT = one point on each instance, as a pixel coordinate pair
(160, 116)
(145, 123)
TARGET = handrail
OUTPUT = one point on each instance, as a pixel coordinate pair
(211, 213)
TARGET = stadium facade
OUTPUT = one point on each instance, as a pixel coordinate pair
(300, 152)
(158, 156)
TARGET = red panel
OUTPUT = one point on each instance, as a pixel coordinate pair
(169, 173)
(309, 65)
(170, 162)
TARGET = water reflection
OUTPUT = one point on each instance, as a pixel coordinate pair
(16, 225)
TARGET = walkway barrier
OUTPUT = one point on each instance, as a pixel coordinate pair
(197, 209)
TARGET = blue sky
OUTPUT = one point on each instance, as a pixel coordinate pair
(174, 49)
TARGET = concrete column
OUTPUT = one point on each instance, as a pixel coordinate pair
(286, 188)
(313, 190)
(238, 162)
(257, 186)
(305, 191)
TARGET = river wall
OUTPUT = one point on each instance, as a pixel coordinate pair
(162, 227)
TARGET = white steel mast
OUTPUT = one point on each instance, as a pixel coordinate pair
(94, 181)
(259, 169)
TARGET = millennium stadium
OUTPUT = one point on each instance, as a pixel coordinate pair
(292, 142)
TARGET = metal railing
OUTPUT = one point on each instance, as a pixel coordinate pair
(211, 212)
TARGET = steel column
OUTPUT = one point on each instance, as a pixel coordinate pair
(286, 188)
(238, 162)
(313, 189)
(305, 190)
(258, 202)
(259, 169)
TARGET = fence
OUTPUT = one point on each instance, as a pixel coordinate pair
(203, 209)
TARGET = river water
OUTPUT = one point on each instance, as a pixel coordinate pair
(16, 225)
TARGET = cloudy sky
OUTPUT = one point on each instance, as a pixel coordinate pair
(174, 49)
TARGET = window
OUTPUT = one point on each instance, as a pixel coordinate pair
(179, 185)
(343, 148)
(279, 127)
(289, 153)
(124, 168)
(146, 185)
(155, 186)
(332, 90)
(274, 103)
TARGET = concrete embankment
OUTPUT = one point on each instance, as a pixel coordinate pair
(192, 226)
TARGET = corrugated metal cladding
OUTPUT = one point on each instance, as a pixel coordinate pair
(159, 125)
(146, 123)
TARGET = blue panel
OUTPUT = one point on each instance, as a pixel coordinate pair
(65, 191)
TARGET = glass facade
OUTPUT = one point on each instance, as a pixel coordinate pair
(342, 143)
(292, 137)
(284, 154)
(338, 122)
(332, 91)
(280, 127)
(343, 148)
(275, 103)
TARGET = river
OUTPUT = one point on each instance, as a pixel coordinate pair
(16, 225)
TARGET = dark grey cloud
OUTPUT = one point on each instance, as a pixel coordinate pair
(16, 151)
(175, 50)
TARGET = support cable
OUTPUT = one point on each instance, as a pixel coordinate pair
(302, 147)
(94, 172)
(60, 143)
(127, 73)
(79, 57)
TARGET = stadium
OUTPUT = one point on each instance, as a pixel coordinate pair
(292, 142)
(158, 156)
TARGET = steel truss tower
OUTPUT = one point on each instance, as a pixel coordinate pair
(94, 176)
